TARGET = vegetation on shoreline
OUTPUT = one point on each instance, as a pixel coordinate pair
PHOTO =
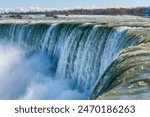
(107, 11)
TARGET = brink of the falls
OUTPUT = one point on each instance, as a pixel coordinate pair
(75, 59)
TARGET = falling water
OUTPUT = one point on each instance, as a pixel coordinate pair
(70, 61)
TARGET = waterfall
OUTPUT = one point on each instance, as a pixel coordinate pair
(80, 53)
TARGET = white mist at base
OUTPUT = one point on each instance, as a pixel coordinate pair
(29, 77)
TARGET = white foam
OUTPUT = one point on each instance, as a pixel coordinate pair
(29, 77)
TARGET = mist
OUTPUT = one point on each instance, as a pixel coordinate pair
(27, 76)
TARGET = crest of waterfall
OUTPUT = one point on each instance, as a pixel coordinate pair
(82, 53)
